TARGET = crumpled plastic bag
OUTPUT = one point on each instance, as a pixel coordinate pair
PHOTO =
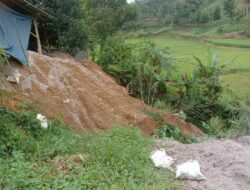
(161, 159)
(15, 77)
(43, 120)
(67, 101)
(189, 170)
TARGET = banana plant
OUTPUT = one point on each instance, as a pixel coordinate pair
(154, 71)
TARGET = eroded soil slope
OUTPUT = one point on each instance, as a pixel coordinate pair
(85, 96)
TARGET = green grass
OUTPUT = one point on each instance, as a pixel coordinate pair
(118, 159)
(184, 49)
(240, 43)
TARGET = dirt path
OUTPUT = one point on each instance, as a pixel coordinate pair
(226, 163)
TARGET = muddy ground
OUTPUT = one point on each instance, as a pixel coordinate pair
(226, 163)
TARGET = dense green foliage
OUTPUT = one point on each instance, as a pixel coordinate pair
(103, 19)
(106, 17)
(217, 13)
(146, 70)
(229, 7)
(117, 159)
(81, 24)
(154, 73)
(116, 58)
(203, 90)
(183, 12)
(66, 31)
(153, 76)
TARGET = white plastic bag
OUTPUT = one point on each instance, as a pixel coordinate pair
(189, 170)
(67, 101)
(43, 120)
(161, 159)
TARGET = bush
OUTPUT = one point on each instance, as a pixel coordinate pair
(204, 18)
(229, 8)
(155, 73)
(147, 70)
(217, 13)
(174, 133)
(203, 90)
(116, 58)
(241, 125)
(215, 127)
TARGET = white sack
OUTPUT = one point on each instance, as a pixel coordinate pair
(43, 120)
(67, 101)
(189, 170)
(161, 159)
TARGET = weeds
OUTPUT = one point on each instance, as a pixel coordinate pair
(2, 58)
(174, 133)
(118, 159)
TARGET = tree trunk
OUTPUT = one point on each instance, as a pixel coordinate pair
(247, 2)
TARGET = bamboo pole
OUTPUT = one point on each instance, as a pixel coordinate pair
(12, 72)
(39, 46)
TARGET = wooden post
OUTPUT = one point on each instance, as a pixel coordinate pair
(39, 46)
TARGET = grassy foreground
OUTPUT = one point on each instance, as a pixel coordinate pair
(59, 158)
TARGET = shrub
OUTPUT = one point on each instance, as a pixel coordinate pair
(220, 29)
(215, 127)
(117, 59)
(155, 73)
(203, 91)
(147, 70)
(229, 8)
(217, 13)
(241, 125)
(174, 133)
(204, 18)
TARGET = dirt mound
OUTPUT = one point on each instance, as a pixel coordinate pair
(12, 101)
(224, 163)
(84, 95)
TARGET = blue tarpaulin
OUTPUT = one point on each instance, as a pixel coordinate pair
(14, 33)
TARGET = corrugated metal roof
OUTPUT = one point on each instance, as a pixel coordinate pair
(28, 8)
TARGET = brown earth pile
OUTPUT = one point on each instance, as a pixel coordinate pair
(85, 96)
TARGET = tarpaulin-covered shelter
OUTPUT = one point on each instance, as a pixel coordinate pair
(16, 18)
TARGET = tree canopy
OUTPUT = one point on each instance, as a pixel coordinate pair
(79, 22)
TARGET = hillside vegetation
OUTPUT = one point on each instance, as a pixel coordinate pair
(59, 158)
(186, 12)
